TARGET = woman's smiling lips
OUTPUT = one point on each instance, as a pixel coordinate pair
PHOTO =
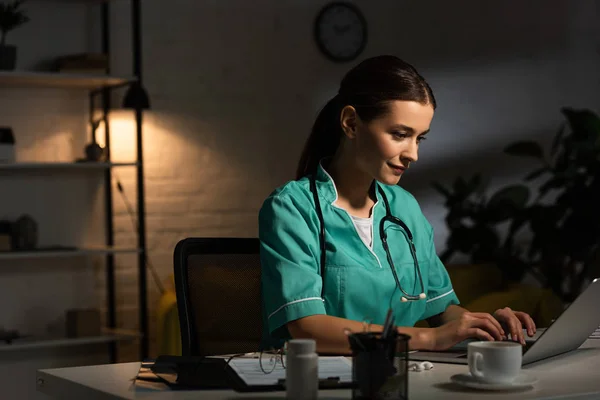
(397, 169)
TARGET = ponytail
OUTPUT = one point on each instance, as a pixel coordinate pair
(324, 138)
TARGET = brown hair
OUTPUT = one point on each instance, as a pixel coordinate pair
(368, 87)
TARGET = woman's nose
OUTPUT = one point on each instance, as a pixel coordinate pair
(411, 153)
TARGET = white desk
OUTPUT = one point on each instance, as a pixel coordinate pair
(571, 376)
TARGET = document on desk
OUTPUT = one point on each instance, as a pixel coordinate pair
(250, 372)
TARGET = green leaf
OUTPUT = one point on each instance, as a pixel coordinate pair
(536, 174)
(553, 183)
(474, 184)
(525, 149)
(506, 202)
(441, 189)
(515, 195)
(557, 139)
(584, 124)
(460, 186)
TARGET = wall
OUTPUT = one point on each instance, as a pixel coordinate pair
(236, 85)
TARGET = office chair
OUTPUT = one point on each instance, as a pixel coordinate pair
(217, 285)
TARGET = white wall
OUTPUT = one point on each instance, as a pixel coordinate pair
(235, 86)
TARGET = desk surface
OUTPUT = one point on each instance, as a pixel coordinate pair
(568, 376)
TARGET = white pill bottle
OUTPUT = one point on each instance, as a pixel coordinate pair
(301, 370)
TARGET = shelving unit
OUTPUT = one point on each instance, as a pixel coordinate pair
(26, 79)
(15, 255)
(96, 87)
(64, 165)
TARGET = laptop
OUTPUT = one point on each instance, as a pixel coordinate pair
(569, 331)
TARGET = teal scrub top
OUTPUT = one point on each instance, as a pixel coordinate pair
(358, 279)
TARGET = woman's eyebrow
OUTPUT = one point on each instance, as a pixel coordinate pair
(408, 129)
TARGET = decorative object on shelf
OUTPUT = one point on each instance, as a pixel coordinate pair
(86, 63)
(93, 151)
(7, 145)
(83, 322)
(24, 233)
(341, 31)
(11, 17)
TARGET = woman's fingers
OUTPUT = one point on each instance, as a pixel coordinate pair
(516, 329)
(479, 333)
(527, 322)
(513, 325)
(484, 324)
(492, 320)
(490, 327)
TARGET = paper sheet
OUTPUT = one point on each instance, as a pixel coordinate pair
(249, 370)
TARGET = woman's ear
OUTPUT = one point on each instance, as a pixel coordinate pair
(349, 121)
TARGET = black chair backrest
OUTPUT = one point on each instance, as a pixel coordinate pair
(217, 283)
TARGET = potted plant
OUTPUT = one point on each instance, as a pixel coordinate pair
(11, 17)
(561, 225)
(564, 219)
(474, 220)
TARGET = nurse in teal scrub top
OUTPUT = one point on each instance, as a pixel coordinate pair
(361, 144)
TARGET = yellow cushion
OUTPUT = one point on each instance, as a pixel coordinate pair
(541, 304)
(168, 335)
(471, 281)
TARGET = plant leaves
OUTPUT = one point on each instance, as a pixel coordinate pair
(505, 202)
(516, 195)
(536, 174)
(553, 183)
(525, 149)
(474, 184)
(557, 138)
(460, 187)
(441, 189)
(584, 124)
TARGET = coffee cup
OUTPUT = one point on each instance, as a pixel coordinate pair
(495, 362)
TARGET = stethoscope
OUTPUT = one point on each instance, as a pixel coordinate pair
(389, 218)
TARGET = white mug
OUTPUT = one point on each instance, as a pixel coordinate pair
(495, 362)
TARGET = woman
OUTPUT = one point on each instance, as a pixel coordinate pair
(361, 144)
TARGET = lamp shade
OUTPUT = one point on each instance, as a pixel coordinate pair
(136, 96)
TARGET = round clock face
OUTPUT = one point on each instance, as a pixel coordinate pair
(341, 31)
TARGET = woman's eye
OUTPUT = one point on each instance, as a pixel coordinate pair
(421, 138)
(399, 135)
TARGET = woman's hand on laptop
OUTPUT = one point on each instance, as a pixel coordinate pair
(514, 322)
(469, 325)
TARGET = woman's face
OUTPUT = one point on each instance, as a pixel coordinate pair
(385, 146)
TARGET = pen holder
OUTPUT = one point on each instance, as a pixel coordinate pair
(379, 366)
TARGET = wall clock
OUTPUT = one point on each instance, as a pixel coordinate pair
(341, 31)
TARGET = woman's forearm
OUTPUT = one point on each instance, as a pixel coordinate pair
(451, 313)
(329, 333)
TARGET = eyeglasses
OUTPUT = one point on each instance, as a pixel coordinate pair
(268, 360)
